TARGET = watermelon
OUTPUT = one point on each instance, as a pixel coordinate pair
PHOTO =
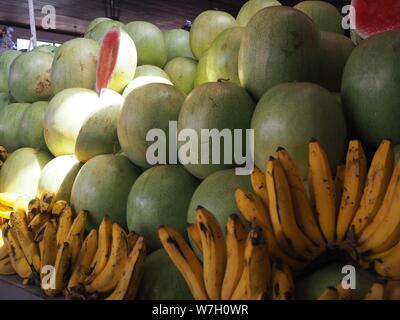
(182, 72)
(57, 177)
(117, 61)
(46, 48)
(371, 89)
(21, 171)
(280, 44)
(324, 15)
(29, 79)
(64, 117)
(161, 279)
(375, 16)
(102, 187)
(206, 27)
(6, 59)
(74, 65)
(214, 105)
(290, 115)
(10, 118)
(99, 29)
(251, 7)
(95, 22)
(148, 107)
(30, 129)
(201, 72)
(142, 81)
(177, 44)
(160, 196)
(4, 99)
(149, 70)
(149, 41)
(335, 50)
(222, 57)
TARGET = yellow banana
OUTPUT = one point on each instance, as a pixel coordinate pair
(47, 202)
(37, 223)
(259, 184)
(194, 235)
(323, 191)
(339, 181)
(376, 185)
(75, 235)
(108, 278)
(389, 243)
(48, 250)
(343, 294)
(132, 237)
(388, 265)
(5, 211)
(9, 199)
(6, 267)
(34, 206)
(303, 210)
(353, 186)
(185, 260)
(3, 246)
(129, 283)
(376, 292)
(59, 207)
(236, 236)
(64, 225)
(330, 293)
(282, 281)
(214, 252)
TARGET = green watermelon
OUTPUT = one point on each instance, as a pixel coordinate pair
(10, 118)
(149, 41)
(371, 89)
(206, 27)
(149, 70)
(161, 279)
(324, 15)
(280, 44)
(177, 44)
(6, 59)
(95, 22)
(160, 196)
(182, 72)
(102, 187)
(46, 48)
(201, 72)
(290, 115)
(4, 99)
(251, 7)
(30, 129)
(214, 105)
(98, 31)
(142, 81)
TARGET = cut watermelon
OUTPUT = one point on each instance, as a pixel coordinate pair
(376, 16)
(117, 61)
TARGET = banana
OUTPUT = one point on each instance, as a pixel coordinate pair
(236, 236)
(343, 294)
(256, 276)
(37, 223)
(282, 281)
(5, 211)
(84, 260)
(75, 235)
(9, 199)
(194, 235)
(376, 292)
(285, 228)
(34, 206)
(330, 293)
(6, 267)
(185, 260)
(259, 184)
(64, 225)
(214, 252)
(3, 246)
(353, 186)
(103, 250)
(25, 239)
(376, 185)
(323, 191)
(389, 243)
(303, 210)
(132, 237)
(108, 278)
(58, 207)
(388, 265)
(339, 180)
(129, 283)
(48, 246)
(47, 202)
(392, 290)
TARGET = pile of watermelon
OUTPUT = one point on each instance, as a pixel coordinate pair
(75, 119)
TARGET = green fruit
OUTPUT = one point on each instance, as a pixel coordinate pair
(21, 171)
(335, 50)
(142, 81)
(206, 27)
(98, 31)
(6, 59)
(10, 118)
(98, 134)
(161, 280)
(29, 79)
(325, 15)
(65, 115)
(102, 187)
(149, 70)
(182, 72)
(222, 57)
(46, 48)
(30, 130)
(74, 65)
(201, 72)
(149, 41)
(280, 44)
(4, 99)
(58, 177)
(371, 88)
(148, 107)
(160, 196)
(95, 22)
(214, 105)
(290, 115)
(251, 7)
(177, 44)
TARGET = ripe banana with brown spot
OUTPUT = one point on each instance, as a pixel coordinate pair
(194, 235)
(6, 267)
(322, 189)
(58, 207)
(339, 181)
(282, 281)
(388, 265)
(48, 246)
(214, 252)
(34, 206)
(353, 186)
(236, 236)
(185, 260)
(37, 222)
(107, 279)
(64, 225)
(132, 237)
(129, 283)
(376, 292)
(47, 202)
(389, 243)
(3, 246)
(259, 184)
(75, 235)
(302, 206)
(330, 293)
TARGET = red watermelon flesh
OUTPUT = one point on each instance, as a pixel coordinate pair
(376, 16)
